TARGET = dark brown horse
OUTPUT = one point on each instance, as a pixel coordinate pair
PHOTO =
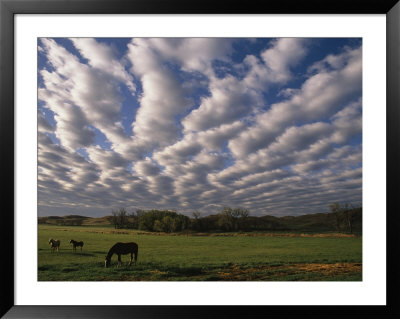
(76, 244)
(122, 249)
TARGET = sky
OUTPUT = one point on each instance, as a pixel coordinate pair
(273, 125)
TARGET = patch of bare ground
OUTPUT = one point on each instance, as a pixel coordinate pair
(273, 272)
(286, 272)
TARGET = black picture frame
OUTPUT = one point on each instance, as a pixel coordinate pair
(8, 8)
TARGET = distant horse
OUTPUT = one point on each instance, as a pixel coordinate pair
(122, 249)
(54, 244)
(76, 244)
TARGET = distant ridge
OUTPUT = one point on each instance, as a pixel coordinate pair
(75, 216)
(317, 222)
(74, 220)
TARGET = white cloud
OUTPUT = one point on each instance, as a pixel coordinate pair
(193, 54)
(347, 122)
(146, 168)
(230, 100)
(275, 63)
(162, 98)
(79, 96)
(321, 95)
(101, 57)
(189, 136)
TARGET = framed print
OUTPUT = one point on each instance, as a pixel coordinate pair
(173, 159)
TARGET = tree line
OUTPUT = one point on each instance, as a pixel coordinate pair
(345, 216)
(342, 218)
(229, 219)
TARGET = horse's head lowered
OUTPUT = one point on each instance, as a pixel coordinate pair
(107, 262)
(71, 241)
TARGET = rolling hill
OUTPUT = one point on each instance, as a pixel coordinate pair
(319, 222)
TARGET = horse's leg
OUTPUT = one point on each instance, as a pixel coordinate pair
(130, 262)
(119, 260)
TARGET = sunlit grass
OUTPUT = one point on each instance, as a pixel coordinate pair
(166, 257)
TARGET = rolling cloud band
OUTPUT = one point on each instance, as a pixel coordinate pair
(195, 124)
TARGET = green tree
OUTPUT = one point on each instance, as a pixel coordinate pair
(226, 219)
(133, 220)
(184, 222)
(122, 217)
(233, 219)
(158, 226)
(114, 218)
(169, 224)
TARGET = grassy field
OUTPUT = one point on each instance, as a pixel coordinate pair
(215, 257)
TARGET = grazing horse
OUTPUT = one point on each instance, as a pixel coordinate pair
(76, 244)
(122, 249)
(54, 244)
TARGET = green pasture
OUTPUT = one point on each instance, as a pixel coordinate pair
(191, 257)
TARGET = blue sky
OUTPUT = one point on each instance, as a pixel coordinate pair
(196, 124)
